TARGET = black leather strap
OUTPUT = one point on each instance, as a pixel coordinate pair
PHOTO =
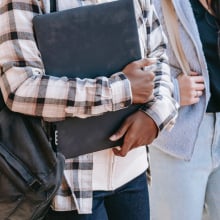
(2, 103)
(53, 5)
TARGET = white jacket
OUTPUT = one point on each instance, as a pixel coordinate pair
(181, 140)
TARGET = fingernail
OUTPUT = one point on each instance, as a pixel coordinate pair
(113, 137)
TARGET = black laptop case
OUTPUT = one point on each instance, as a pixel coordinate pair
(86, 42)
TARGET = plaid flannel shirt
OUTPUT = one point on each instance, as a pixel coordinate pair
(28, 90)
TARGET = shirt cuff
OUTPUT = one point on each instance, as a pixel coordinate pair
(164, 119)
(121, 91)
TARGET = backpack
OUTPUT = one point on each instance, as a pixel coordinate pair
(30, 170)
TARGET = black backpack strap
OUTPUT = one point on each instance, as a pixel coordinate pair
(53, 5)
(2, 103)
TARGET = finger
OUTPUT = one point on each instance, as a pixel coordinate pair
(199, 93)
(198, 79)
(123, 150)
(146, 62)
(192, 73)
(116, 151)
(199, 86)
(121, 131)
(150, 68)
(128, 143)
(196, 97)
(150, 76)
(196, 100)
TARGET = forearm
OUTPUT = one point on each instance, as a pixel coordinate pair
(26, 88)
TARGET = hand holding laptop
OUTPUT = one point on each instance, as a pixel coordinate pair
(141, 79)
(112, 46)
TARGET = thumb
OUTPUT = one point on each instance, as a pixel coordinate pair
(120, 133)
(147, 62)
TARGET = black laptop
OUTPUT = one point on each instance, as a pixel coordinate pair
(87, 42)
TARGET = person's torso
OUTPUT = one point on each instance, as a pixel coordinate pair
(111, 172)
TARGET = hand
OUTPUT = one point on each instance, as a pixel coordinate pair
(138, 129)
(142, 82)
(191, 88)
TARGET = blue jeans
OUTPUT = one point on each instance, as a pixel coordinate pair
(128, 202)
(181, 189)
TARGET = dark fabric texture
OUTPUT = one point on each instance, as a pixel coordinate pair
(87, 42)
(208, 29)
(53, 5)
(30, 171)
